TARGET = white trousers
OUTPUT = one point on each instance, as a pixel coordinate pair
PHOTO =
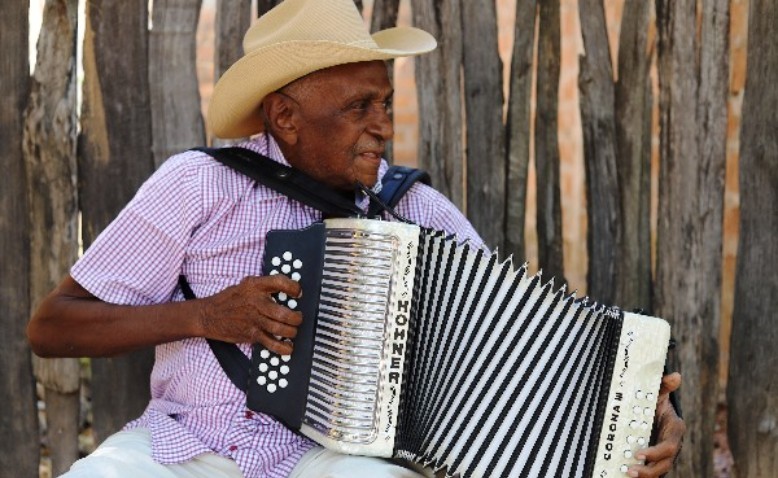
(127, 454)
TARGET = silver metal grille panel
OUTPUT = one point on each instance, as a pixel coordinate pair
(344, 395)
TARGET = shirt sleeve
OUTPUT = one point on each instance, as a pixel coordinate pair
(430, 208)
(136, 260)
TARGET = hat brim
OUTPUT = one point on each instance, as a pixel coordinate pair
(234, 110)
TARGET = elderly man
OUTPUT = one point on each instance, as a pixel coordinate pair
(313, 90)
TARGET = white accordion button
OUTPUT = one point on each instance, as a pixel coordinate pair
(627, 453)
(286, 268)
(286, 358)
(644, 426)
(631, 440)
(264, 353)
(296, 276)
(292, 304)
(284, 370)
(287, 256)
(648, 412)
(634, 424)
(624, 468)
(641, 441)
(263, 367)
(297, 264)
(650, 397)
(276, 261)
(639, 395)
(261, 380)
(273, 375)
(274, 361)
(271, 388)
(637, 410)
(283, 383)
(273, 272)
(282, 296)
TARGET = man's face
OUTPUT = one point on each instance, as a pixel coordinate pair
(342, 115)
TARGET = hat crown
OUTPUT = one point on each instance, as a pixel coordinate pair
(309, 20)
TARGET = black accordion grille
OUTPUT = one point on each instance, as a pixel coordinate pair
(520, 391)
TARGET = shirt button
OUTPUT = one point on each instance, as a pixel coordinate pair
(249, 414)
(233, 447)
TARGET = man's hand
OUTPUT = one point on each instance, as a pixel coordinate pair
(247, 313)
(660, 457)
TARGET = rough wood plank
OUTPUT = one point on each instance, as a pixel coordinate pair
(177, 123)
(687, 266)
(439, 80)
(485, 130)
(549, 208)
(752, 388)
(114, 159)
(598, 118)
(633, 102)
(50, 156)
(17, 388)
(713, 54)
(233, 18)
(518, 127)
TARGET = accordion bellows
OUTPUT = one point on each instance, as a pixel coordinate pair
(418, 347)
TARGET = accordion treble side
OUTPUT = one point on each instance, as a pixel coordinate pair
(418, 347)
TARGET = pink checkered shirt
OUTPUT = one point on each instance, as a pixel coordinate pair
(199, 218)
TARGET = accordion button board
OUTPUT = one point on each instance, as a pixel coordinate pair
(418, 347)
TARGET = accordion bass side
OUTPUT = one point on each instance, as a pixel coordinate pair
(418, 347)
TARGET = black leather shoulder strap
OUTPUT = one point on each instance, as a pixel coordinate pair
(234, 363)
(288, 181)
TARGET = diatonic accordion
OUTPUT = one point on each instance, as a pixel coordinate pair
(419, 347)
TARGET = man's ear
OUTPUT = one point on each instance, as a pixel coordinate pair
(280, 118)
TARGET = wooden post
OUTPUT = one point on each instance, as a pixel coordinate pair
(518, 128)
(177, 124)
(438, 81)
(598, 117)
(485, 130)
(114, 159)
(50, 156)
(752, 393)
(549, 197)
(18, 424)
(633, 104)
(693, 75)
(233, 18)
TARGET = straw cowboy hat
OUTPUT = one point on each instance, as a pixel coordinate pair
(293, 39)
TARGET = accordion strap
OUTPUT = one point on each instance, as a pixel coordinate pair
(235, 364)
(395, 183)
(288, 181)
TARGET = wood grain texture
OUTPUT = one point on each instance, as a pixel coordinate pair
(439, 83)
(752, 387)
(177, 123)
(518, 127)
(17, 387)
(114, 159)
(549, 196)
(50, 157)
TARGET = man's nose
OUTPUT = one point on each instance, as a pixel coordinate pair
(382, 125)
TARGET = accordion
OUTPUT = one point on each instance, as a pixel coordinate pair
(418, 347)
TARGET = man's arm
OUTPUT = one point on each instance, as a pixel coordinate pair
(71, 322)
(660, 457)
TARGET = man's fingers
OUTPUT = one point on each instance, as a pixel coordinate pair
(279, 283)
(281, 347)
(670, 383)
(282, 314)
(659, 452)
(651, 470)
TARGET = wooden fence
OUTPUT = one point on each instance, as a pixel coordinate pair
(141, 103)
